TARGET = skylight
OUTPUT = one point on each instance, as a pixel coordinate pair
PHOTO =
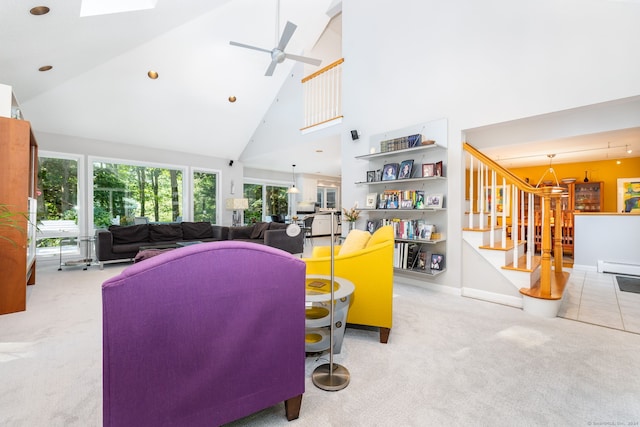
(106, 7)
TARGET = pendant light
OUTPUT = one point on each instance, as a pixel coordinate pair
(293, 189)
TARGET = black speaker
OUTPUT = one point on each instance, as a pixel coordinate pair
(230, 162)
(354, 135)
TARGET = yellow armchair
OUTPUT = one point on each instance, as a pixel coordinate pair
(371, 271)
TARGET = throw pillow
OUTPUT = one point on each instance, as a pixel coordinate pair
(129, 233)
(381, 235)
(196, 230)
(355, 241)
(258, 230)
(165, 232)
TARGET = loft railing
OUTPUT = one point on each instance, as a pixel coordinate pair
(323, 95)
(490, 184)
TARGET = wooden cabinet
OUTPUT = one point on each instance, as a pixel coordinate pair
(18, 177)
(587, 197)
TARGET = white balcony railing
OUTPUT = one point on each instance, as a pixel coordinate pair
(323, 96)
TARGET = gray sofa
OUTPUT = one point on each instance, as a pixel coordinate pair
(122, 243)
(272, 234)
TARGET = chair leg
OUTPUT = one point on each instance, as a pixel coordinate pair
(292, 407)
(384, 335)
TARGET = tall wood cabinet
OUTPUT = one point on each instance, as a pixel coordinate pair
(18, 177)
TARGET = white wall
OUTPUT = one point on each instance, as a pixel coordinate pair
(478, 63)
(606, 237)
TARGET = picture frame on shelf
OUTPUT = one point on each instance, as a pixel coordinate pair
(433, 201)
(382, 203)
(406, 168)
(437, 262)
(438, 169)
(428, 169)
(628, 195)
(419, 199)
(390, 172)
(371, 176)
(371, 200)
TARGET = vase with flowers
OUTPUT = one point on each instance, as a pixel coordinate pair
(351, 216)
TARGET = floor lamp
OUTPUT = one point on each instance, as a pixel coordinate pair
(331, 376)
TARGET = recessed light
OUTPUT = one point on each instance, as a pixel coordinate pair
(319, 151)
(39, 10)
(45, 68)
(232, 98)
(152, 74)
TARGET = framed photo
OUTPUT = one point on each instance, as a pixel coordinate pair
(372, 225)
(437, 262)
(438, 169)
(433, 201)
(406, 167)
(371, 176)
(501, 201)
(428, 169)
(371, 200)
(382, 203)
(628, 194)
(390, 172)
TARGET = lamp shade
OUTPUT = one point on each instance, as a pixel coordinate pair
(237, 204)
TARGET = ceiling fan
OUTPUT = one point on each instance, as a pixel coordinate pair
(278, 55)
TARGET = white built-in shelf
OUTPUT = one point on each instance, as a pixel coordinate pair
(406, 150)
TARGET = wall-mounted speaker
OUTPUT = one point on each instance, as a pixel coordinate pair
(354, 135)
(230, 162)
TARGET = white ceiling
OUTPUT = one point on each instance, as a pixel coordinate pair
(99, 89)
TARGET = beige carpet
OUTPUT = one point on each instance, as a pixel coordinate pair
(450, 361)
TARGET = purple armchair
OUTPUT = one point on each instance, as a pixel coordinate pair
(204, 335)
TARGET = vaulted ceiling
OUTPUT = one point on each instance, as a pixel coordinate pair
(98, 87)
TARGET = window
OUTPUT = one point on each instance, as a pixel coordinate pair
(204, 196)
(57, 195)
(122, 192)
(264, 201)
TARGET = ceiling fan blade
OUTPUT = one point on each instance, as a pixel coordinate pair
(286, 34)
(304, 59)
(249, 47)
(271, 68)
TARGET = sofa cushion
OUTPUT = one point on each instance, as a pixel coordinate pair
(197, 230)
(278, 226)
(356, 240)
(123, 234)
(258, 230)
(165, 232)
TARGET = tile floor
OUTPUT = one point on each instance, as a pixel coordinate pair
(595, 298)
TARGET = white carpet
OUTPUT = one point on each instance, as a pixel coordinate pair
(449, 361)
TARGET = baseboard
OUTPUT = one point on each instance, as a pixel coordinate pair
(584, 267)
(492, 297)
(618, 267)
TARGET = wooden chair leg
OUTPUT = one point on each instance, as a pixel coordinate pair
(292, 407)
(384, 335)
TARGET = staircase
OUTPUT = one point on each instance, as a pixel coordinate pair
(500, 229)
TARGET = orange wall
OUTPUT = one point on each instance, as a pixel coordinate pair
(606, 171)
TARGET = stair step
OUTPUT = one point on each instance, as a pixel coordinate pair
(522, 261)
(497, 246)
(481, 229)
(558, 283)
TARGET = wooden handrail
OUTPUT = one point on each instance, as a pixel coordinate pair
(509, 176)
(323, 70)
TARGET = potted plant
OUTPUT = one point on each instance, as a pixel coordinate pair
(10, 220)
(351, 216)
